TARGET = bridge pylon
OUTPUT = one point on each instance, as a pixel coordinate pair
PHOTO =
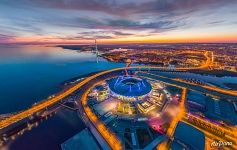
(96, 52)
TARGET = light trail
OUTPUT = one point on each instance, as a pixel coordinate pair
(210, 88)
(42, 105)
(46, 103)
(107, 135)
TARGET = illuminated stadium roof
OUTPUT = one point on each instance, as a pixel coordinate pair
(129, 86)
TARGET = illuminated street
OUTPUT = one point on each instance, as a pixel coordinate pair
(118, 75)
(146, 109)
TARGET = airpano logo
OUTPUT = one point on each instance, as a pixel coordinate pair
(220, 144)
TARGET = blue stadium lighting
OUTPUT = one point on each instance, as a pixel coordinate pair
(128, 86)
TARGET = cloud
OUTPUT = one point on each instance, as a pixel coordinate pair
(129, 7)
(109, 19)
(91, 35)
(127, 24)
(114, 33)
(216, 22)
(4, 37)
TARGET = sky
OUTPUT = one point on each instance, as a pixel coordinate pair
(117, 21)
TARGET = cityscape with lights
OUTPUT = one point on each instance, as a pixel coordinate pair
(118, 75)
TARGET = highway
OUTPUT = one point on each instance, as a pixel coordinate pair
(44, 104)
(212, 88)
(211, 130)
(197, 87)
(110, 137)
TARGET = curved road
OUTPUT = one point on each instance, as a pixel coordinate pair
(36, 108)
(101, 128)
(46, 103)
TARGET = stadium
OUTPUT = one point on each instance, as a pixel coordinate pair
(129, 88)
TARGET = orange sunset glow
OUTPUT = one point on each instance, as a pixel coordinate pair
(75, 22)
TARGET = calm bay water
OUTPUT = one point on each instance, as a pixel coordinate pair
(32, 73)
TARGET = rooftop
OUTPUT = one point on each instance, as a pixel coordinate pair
(129, 86)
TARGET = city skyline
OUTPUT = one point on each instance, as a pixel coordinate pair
(112, 22)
